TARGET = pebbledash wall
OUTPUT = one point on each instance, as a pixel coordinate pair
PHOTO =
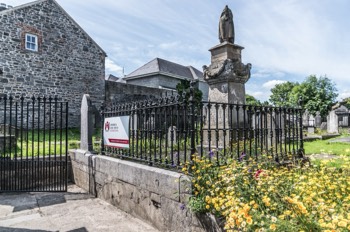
(67, 63)
(155, 195)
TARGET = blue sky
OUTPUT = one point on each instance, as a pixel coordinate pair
(284, 40)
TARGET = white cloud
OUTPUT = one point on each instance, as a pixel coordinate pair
(344, 95)
(112, 68)
(270, 84)
(257, 95)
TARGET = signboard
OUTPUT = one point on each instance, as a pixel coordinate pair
(116, 132)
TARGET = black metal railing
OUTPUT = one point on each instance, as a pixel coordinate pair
(168, 131)
(33, 144)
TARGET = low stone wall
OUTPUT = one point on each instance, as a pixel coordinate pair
(155, 195)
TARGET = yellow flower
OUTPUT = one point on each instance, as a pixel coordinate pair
(342, 223)
(273, 227)
(249, 220)
(207, 206)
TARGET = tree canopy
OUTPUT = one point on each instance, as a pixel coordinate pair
(281, 94)
(183, 88)
(315, 94)
(251, 100)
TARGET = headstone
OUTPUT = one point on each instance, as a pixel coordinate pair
(86, 126)
(323, 126)
(311, 130)
(311, 121)
(332, 122)
(306, 118)
(318, 119)
(172, 135)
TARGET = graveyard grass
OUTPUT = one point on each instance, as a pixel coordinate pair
(326, 147)
(251, 196)
(37, 142)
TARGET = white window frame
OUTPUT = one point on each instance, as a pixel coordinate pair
(29, 41)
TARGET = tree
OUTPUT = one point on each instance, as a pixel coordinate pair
(346, 102)
(250, 100)
(281, 94)
(183, 88)
(315, 94)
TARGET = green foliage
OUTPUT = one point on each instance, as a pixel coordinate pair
(315, 94)
(281, 94)
(346, 102)
(250, 100)
(183, 88)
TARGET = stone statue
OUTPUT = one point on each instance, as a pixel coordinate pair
(226, 27)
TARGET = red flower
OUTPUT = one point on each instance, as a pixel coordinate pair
(258, 172)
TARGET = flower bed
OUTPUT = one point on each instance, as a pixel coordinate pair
(263, 196)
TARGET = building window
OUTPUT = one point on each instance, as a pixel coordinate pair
(31, 42)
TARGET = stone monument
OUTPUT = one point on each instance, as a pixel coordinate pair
(226, 77)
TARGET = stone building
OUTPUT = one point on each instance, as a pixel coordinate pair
(163, 74)
(45, 52)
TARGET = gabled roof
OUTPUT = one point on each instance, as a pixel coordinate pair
(41, 1)
(165, 67)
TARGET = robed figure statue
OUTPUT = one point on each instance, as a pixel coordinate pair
(226, 27)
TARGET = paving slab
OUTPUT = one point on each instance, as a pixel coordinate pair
(74, 211)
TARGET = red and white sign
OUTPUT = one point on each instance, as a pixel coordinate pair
(116, 132)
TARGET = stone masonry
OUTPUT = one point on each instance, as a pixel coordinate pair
(68, 62)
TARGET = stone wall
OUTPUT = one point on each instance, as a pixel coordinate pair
(68, 62)
(155, 195)
(120, 92)
(162, 81)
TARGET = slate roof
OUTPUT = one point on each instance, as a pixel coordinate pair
(165, 67)
(40, 1)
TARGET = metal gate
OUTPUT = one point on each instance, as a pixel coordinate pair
(33, 144)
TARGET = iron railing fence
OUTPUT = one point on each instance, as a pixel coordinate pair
(33, 143)
(168, 131)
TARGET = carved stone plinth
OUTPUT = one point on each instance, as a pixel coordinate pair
(226, 75)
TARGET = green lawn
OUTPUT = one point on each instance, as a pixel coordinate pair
(43, 143)
(326, 147)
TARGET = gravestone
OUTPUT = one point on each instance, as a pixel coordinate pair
(318, 119)
(226, 77)
(86, 126)
(172, 135)
(332, 122)
(305, 118)
(323, 126)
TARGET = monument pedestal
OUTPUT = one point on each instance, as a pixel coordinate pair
(226, 77)
(225, 51)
